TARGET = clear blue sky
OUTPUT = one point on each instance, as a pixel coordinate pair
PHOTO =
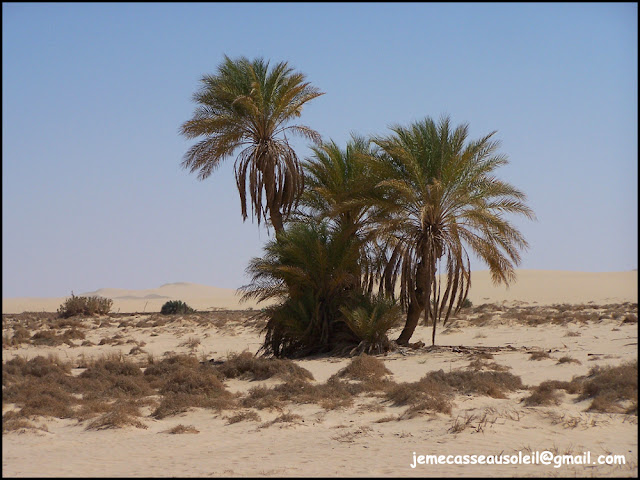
(93, 94)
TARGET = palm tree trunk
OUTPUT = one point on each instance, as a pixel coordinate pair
(276, 219)
(413, 316)
(416, 306)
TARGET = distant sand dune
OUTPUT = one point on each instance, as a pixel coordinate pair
(543, 287)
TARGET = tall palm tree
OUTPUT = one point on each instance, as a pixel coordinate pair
(247, 105)
(440, 197)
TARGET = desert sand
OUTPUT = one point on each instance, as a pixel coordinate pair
(590, 318)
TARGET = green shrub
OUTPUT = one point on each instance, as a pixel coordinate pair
(466, 303)
(370, 321)
(175, 306)
(84, 306)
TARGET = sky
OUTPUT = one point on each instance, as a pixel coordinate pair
(93, 95)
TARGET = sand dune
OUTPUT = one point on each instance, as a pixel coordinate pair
(543, 287)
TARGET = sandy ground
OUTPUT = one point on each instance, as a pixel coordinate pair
(352, 441)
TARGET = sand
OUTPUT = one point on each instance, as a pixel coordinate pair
(352, 441)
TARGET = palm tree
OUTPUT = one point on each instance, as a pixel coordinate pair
(247, 105)
(439, 196)
(308, 270)
(339, 189)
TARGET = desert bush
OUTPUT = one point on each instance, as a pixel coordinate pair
(12, 421)
(175, 306)
(544, 394)
(429, 404)
(39, 396)
(568, 359)
(466, 303)
(538, 355)
(179, 429)
(84, 306)
(609, 387)
(121, 414)
(364, 367)
(243, 416)
(20, 335)
(262, 398)
(245, 365)
(436, 386)
(176, 403)
(493, 384)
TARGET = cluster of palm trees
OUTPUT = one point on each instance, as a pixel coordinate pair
(362, 233)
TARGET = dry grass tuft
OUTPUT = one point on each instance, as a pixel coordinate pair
(191, 343)
(247, 366)
(364, 367)
(180, 429)
(493, 384)
(544, 394)
(286, 417)
(243, 416)
(567, 359)
(539, 355)
(612, 387)
(14, 422)
(122, 414)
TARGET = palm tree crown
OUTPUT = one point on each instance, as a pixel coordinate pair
(249, 105)
(440, 196)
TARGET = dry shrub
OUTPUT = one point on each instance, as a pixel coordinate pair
(158, 372)
(243, 416)
(492, 384)
(193, 381)
(122, 414)
(609, 387)
(262, 398)
(191, 343)
(48, 338)
(113, 376)
(180, 429)
(544, 394)
(191, 386)
(631, 318)
(429, 404)
(287, 417)
(538, 355)
(478, 364)
(567, 359)
(247, 366)
(111, 364)
(20, 335)
(14, 422)
(91, 408)
(40, 396)
(176, 403)
(36, 367)
(364, 367)
(435, 387)
(330, 395)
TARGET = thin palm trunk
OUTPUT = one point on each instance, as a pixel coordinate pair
(416, 306)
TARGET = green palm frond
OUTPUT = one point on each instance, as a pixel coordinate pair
(438, 197)
(248, 106)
